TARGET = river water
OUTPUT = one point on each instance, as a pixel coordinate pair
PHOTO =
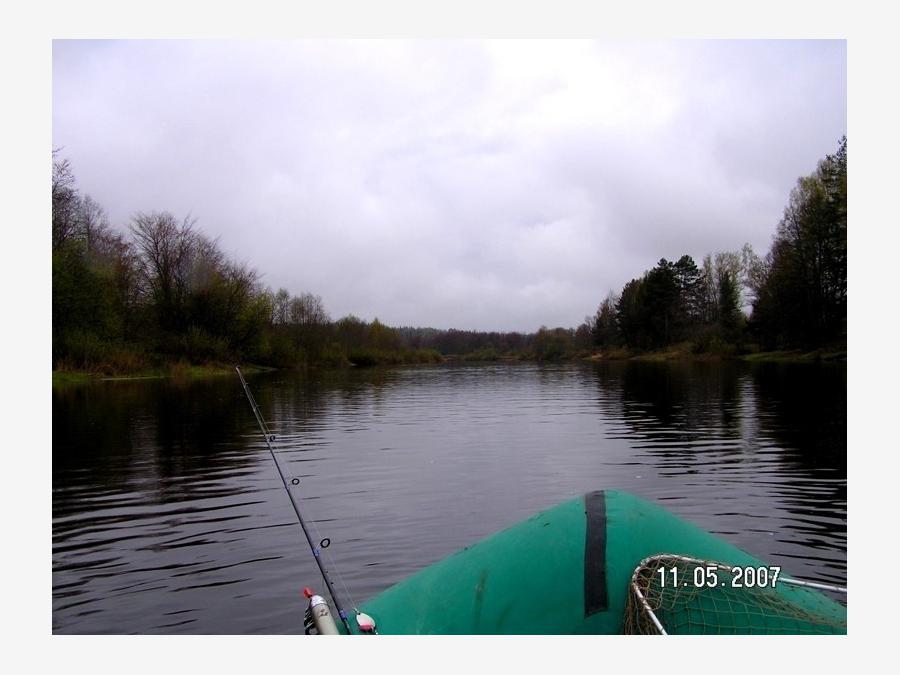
(169, 515)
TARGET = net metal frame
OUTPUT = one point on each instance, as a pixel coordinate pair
(651, 606)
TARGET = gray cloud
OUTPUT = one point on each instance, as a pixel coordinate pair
(491, 185)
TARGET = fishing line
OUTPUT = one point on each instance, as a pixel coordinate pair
(316, 550)
(336, 569)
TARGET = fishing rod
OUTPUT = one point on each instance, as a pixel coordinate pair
(270, 438)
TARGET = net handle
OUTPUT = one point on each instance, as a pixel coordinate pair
(650, 612)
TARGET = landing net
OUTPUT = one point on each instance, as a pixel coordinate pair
(671, 594)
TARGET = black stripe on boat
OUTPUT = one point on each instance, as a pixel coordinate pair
(595, 596)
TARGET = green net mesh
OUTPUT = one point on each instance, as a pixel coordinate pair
(669, 594)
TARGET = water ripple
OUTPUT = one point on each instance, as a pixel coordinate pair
(168, 514)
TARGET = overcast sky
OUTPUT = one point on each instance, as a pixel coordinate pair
(487, 185)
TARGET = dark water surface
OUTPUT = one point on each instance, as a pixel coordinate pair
(169, 516)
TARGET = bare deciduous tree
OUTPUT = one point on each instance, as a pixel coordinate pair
(91, 223)
(308, 310)
(64, 196)
(281, 306)
(166, 249)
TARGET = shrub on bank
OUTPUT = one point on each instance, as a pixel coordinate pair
(427, 356)
(86, 351)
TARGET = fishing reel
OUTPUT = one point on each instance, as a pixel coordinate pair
(318, 615)
(317, 620)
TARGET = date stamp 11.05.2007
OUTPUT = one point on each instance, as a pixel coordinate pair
(715, 576)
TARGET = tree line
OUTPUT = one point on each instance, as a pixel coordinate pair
(164, 292)
(796, 294)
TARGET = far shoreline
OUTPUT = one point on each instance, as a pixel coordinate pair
(183, 371)
(685, 355)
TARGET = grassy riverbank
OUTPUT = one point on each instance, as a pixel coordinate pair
(798, 356)
(178, 370)
(184, 370)
(683, 351)
(687, 352)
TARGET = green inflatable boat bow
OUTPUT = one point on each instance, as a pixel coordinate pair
(577, 569)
